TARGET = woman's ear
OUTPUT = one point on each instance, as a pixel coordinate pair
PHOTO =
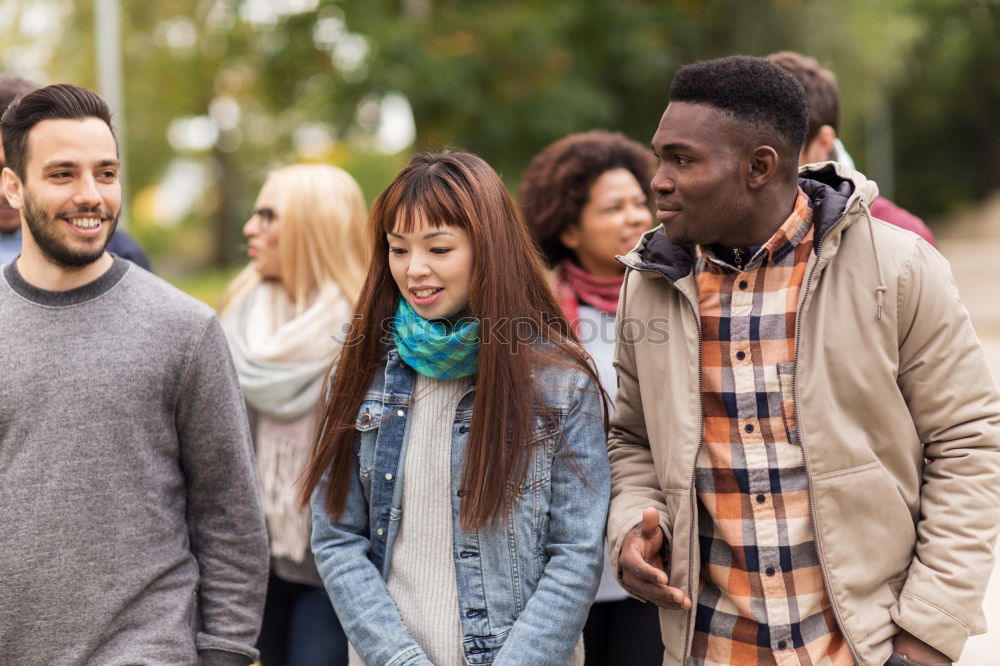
(570, 236)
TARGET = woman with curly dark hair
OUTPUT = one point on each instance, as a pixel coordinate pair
(586, 199)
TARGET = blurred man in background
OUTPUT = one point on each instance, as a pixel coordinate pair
(822, 143)
(10, 220)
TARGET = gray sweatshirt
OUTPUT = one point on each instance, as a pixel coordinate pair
(130, 523)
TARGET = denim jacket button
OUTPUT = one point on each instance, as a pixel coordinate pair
(379, 531)
(388, 477)
(474, 612)
(400, 412)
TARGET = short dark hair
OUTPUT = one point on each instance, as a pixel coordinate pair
(61, 101)
(820, 85)
(759, 94)
(556, 185)
(11, 86)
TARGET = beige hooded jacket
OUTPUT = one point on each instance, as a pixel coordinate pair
(888, 372)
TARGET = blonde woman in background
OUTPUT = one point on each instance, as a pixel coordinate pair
(284, 316)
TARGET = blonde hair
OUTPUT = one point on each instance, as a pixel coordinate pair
(321, 237)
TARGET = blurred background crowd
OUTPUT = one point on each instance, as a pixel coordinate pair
(210, 95)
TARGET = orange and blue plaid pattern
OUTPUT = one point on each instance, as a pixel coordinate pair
(761, 597)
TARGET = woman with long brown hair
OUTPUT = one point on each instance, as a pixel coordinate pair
(460, 480)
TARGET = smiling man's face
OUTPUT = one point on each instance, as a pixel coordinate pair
(70, 195)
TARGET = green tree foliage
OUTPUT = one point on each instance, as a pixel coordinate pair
(947, 109)
(505, 78)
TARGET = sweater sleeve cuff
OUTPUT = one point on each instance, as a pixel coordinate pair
(223, 658)
(934, 626)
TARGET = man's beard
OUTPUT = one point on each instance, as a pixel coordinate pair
(43, 230)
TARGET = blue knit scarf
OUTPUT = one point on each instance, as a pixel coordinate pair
(436, 348)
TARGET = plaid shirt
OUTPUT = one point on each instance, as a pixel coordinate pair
(761, 597)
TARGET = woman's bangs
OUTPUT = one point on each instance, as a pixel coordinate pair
(434, 205)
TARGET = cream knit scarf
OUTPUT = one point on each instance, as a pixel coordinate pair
(281, 353)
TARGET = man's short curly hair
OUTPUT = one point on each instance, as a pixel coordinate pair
(556, 185)
(759, 94)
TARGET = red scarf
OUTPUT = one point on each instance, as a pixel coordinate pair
(575, 285)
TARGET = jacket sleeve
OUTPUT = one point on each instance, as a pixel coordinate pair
(356, 588)
(634, 482)
(547, 630)
(225, 522)
(945, 379)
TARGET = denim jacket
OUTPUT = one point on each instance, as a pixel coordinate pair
(524, 587)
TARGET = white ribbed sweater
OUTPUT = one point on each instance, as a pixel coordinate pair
(422, 569)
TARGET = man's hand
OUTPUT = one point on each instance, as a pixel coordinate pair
(642, 564)
(916, 650)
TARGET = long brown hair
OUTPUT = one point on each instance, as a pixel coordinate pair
(507, 285)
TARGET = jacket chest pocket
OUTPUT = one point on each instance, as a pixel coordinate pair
(543, 447)
(367, 424)
(530, 526)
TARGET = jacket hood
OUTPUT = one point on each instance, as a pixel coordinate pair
(833, 189)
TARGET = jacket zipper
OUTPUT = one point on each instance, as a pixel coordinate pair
(694, 470)
(741, 258)
(693, 494)
(805, 453)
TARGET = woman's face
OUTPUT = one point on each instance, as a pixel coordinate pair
(262, 231)
(432, 267)
(615, 215)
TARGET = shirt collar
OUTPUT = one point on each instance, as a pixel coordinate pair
(781, 242)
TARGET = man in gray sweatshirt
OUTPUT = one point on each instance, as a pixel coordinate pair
(130, 525)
